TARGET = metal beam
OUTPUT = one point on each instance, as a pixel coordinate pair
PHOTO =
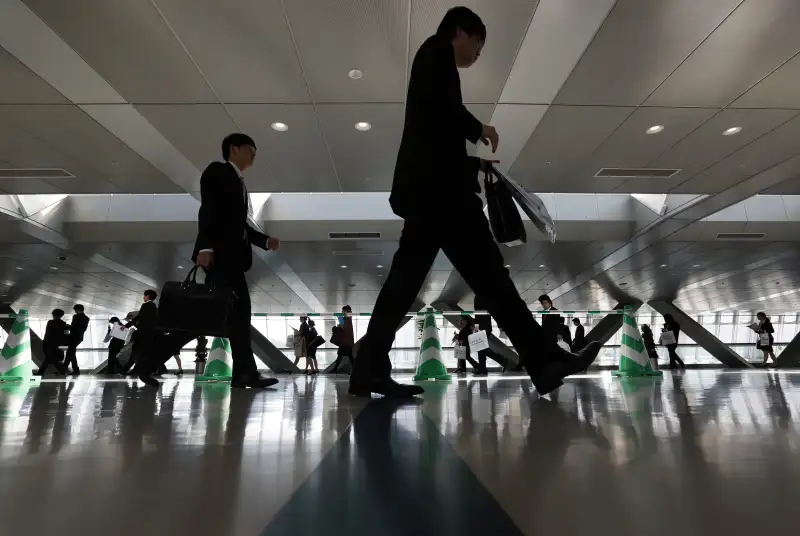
(701, 336)
(790, 356)
(498, 347)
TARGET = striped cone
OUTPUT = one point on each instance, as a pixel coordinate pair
(430, 366)
(15, 358)
(633, 359)
(219, 367)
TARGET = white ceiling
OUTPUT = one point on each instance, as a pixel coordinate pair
(134, 97)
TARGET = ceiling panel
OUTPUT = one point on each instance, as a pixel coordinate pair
(130, 45)
(69, 130)
(759, 155)
(778, 90)
(631, 146)
(506, 23)
(297, 160)
(21, 86)
(706, 145)
(638, 46)
(562, 141)
(196, 130)
(756, 39)
(229, 39)
(364, 160)
(369, 35)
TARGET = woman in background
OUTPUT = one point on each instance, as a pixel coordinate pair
(311, 348)
(114, 347)
(765, 339)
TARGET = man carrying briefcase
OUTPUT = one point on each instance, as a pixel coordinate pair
(224, 247)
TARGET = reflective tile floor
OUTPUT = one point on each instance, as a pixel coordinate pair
(702, 452)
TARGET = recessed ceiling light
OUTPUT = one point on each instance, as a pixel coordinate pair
(363, 126)
(180, 267)
(19, 268)
(280, 127)
(695, 266)
(542, 266)
(731, 131)
(663, 265)
(343, 266)
(54, 268)
(379, 266)
(508, 266)
(655, 129)
(355, 74)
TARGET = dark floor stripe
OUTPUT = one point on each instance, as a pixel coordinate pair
(387, 478)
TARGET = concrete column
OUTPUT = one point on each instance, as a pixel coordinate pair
(37, 352)
(608, 326)
(790, 356)
(701, 336)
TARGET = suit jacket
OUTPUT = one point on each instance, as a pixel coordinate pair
(348, 335)
(433, 156)
(80, 323)
(484, 321)
(222, 220)
(552, 325)
(145, 322)
(54, 335)
(580, 337)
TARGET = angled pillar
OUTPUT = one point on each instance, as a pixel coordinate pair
(701, 336)
(509, 357)
(37, 352)
(416, 306)
(790, 356)
(608, 326)
(269, 354)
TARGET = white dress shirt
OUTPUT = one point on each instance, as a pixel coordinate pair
(246, 198)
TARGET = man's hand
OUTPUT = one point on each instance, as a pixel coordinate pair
(205, 259)
(489, 135)
(273, 244)
(487, 164)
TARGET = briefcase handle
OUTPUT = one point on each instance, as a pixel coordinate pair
(191, 279)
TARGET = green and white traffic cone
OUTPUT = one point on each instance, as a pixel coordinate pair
(633, 358)
(431, 367)
(219, 367)
(15, 359)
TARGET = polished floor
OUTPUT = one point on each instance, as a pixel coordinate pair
(699, 452)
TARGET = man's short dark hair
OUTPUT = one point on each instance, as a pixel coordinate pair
(544, 297)
(464, 18)
(78, 308)
(576, 321)
(235, 140)
(58, 313)
(151, 294)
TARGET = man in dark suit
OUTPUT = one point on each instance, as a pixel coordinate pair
(224, 246)
(579, 341)
(551, 323)
(435, 182)
(54, 336)
(144, 338)
(77, 330)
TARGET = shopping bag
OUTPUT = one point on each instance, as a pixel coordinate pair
(478, 341)
(300, 346)
(531, 204)
(763, 339)
(668, 338)
(504, 218)
(200, 308)
(460, 352)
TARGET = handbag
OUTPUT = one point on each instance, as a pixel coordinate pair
(504, 218)
(531, 204)
(460, 352)
(336, 335)
(200, 308)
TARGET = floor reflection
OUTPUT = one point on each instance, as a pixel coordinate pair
(688, 453)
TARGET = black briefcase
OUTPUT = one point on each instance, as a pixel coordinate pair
(198, 308)
(504, 218)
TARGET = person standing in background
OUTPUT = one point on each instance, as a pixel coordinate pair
(144, 338)
(551, 323)
(54, 336)
(114, 347)
(670, 324)
(765, 338)
(579, 340)
(347, 340)
(225, 241)
(77, 330)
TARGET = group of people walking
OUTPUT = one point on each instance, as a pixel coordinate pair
(58, 336)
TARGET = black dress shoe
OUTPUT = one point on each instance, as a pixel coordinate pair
(563, 364)
(253, 382)
(383, 386)
(149, 380)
